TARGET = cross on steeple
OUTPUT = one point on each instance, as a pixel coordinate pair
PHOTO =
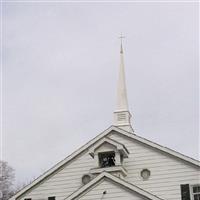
(121, 38)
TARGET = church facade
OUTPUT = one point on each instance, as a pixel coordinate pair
(118, 165)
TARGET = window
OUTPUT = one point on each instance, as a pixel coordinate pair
(86, 178)
(196, 192)
(145, 174)
(51, 198)
(107, 159)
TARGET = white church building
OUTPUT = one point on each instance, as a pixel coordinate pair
(118, 165)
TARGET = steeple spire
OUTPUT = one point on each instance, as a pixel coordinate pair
(122, 115)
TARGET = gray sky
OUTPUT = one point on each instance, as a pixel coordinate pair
(60, 69)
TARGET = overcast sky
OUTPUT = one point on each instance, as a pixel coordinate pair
(60, 70)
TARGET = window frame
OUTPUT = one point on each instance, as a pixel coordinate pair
(191, 190)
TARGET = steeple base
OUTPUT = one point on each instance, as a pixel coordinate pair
(127, 128)
(122, 120)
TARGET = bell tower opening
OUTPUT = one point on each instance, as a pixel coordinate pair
(106, 159)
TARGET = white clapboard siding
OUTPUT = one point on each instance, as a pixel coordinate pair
(167, 172)
(113, 191)
(64, 182)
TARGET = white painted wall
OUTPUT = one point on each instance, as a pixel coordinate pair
(167, 173)
(65, 181)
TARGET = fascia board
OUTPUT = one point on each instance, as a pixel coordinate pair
(157, 146)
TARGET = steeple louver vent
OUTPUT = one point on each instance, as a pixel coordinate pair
(121, 116)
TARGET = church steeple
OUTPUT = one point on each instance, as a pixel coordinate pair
(122, 115)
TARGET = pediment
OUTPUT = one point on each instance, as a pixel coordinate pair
(107, 144)
(106, 185)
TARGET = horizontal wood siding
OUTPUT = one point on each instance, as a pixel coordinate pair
(113, 192)
(167, 172)
(65, 181)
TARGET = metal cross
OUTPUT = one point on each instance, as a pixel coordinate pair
(121, 37)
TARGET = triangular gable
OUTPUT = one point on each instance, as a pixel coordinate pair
(97, 138)
(120, 147)
(92, 184)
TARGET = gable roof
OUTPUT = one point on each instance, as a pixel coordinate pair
(104, 140)
(97, 138)
(114, 179)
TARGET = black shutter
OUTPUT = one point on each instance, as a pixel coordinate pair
(51, 198)
(185, 192)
